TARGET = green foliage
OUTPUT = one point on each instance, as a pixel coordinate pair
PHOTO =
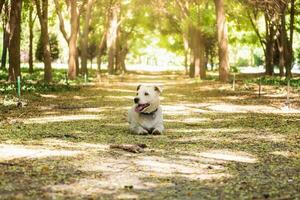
(276, 81)
(29, 87)
(234, 69)
(242, 62)
(258, 60)
(297, 55)
(54, 48)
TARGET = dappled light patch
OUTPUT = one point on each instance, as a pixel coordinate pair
(10, 152)
(181, 109)
(93, 110)
(117, 90)
(231, 108)
(195, 120)
(210, 131)
(51, 113)
(265, 137)
(127, 196)
(190, 120)
(50, 96)
(63, 118)
(48, 107)
(127, 169)
(286, 154)
(229, 156)
(76, 145)
(164, 167)
(208, 138)
(79, 97)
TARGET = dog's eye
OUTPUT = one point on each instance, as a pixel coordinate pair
(137, 94)
(146, 93)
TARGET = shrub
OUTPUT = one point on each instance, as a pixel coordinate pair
(54, 48)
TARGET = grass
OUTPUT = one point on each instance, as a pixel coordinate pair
(218, 144)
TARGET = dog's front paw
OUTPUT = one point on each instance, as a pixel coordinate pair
(156, 132)
(142, 131)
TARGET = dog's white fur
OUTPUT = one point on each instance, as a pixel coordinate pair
(150, 119)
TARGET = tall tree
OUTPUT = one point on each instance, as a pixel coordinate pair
(2, 2)
(279, 36)
(42, 12)
(5, 26)
(74, 12)
(112, 36)
(194, 36)
(31, 20)
(14, 40)
(85, 40)
(222, 41)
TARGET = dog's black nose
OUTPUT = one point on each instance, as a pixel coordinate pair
(136, 100)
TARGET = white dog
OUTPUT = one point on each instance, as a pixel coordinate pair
(145, 117)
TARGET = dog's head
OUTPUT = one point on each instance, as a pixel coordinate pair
(147, 98)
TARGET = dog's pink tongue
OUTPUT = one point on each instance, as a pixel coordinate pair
(139, 108)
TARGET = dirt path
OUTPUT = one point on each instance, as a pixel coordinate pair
(219, 144)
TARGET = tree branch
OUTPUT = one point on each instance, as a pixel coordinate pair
(38, 10)
(61, 21)
(183, 8)
(262, 42)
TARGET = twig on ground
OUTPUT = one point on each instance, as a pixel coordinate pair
(133, 148)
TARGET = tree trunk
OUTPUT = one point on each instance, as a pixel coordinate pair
(43, 18)
(186, 52)
(122, 53)
(4, 48)
(111, 39)
(14, 40)
(192, 39)
(85, 44)
(269, 55)
(222, 41)
(2, 2)
(281, 55)
(6, 36)
(197, 47)
(289, 44)
(101, 50)
(30, 24)
(73, 40)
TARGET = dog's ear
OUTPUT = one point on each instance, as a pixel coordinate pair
(138, 87)
(158, 89)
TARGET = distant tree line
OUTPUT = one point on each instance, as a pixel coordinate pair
(113, 28)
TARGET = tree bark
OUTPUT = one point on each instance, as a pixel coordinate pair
(111, 38)
(270, 33)
(222, 41)
(101, 50)
(2, 2)
(73, 39)
(289, 44)
(281, 55)
(6, 32)
(73, 63)
(197, 67)
(186, 52)
(14, 40)
(42, 12)
(85, 43)
(31, 24)
(4, 46)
